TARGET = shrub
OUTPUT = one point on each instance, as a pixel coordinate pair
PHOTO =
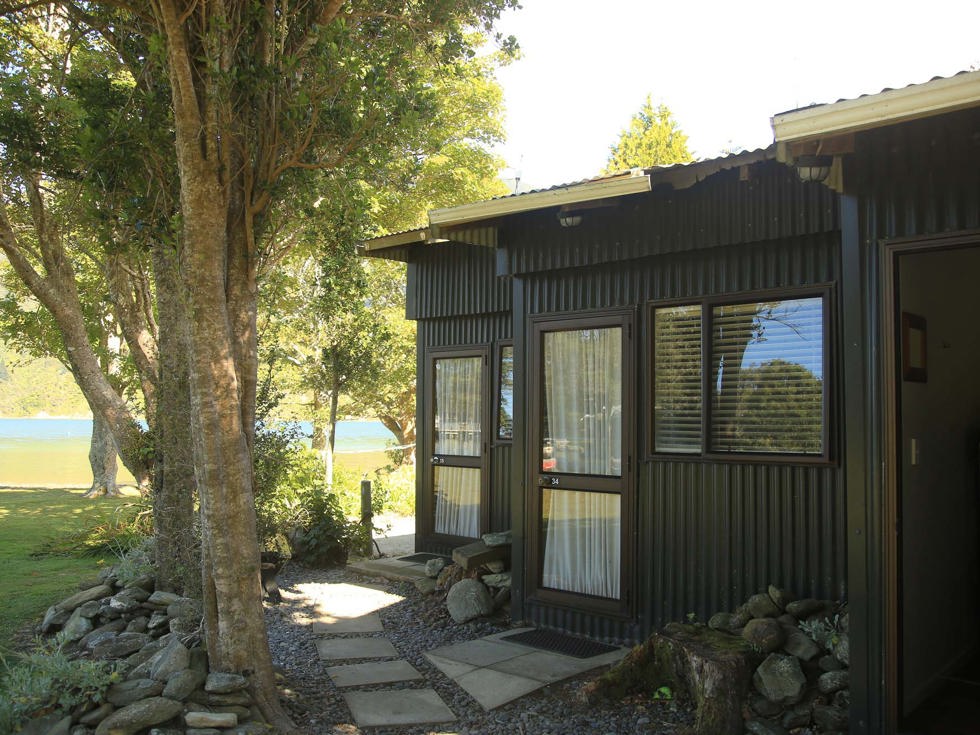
(325, 535)
(127, 528)
(394, 492)
(48, 681)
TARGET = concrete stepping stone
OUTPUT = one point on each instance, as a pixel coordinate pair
(373, 672)
(494, 688)
(399, 707)
(370, 623)
(345, 648)
(480, 652)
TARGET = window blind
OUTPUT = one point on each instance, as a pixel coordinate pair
(677, 378)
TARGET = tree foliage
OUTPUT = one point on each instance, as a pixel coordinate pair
(653, 138)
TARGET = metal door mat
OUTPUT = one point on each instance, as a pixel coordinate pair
(566, 645)
(422, 558)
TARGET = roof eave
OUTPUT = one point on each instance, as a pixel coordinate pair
(634, 182)
(885, 108)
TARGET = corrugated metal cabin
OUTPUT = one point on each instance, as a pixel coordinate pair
(681, 384)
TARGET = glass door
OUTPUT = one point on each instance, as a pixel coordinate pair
(581, 457)
(458, 422)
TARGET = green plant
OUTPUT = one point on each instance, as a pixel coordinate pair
(664, 693)
(825, 632)
(394, 492)
(326, 536)
(136, 562)
(46, 681)
(128, 526)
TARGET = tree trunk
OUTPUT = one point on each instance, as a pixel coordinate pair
(318, 441)
(174, 483)
(102, 459)
(332, 423)
(404, 431)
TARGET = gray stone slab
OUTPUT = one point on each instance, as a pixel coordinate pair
(373, 672)
(452, 669)
(370, 623)
(480, 652)
(544, 666)
(400, 707)
(346, 648)
(494, 688)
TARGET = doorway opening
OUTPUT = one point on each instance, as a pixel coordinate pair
(933, 418)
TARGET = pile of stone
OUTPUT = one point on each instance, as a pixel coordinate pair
(476, 582)
(153, 638)
(802, 685)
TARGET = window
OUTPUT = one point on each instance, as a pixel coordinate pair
(762, 372)
(505, 394)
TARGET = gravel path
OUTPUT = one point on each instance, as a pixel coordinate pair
(419, 624)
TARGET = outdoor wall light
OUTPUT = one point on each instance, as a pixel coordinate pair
(569, 218)
(814, 168)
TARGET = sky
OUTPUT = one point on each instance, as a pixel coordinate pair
(723, 68)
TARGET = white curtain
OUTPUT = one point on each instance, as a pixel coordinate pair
(582, 542)
(583, 416)
(458, 422)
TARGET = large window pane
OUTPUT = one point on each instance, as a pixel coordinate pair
(505, 400)
(581, 532)
(767, 378)
(677, 379)
(458, 409)
(583, 402)
(457, 491)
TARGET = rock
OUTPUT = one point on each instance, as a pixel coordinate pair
(497, 580)
(55, 617)
(240, 698)
(175, 657)
(53, 724)
(250, 728)
(829, 663)
(721, 621)
(158, 620)
(124, 602)
(833, 681)
(499, 538)
(468, 599)
(125, 693)
(223, 683)
(787, 620)
(761, 606)
(137, 625)
(801, 609)
(134, 591)
(80, 598)
(102, 634)
(146, 582)
(827, 717)
(95, 716)
(243, 713)
(842, 699)
(162, 598)
(495, 567)
(780, 679)
(77, 627)
(449, 576)
(120, 646)
(799, 644)
(780, 598)
(797, 717)
(763, 727)
(88, 609)
(186, 608)
(136, 666)
(434, 566)
(211, 719)
(763, 707)
(842, 650)
(740, 617)
(199, 660)
(764, 634)
(201, 731)
(425, 585)
(181, 684)
(478, 553)
(138, 716)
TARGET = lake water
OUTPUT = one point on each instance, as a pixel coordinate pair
(54, 452)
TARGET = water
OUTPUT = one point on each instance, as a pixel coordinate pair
(54, 452)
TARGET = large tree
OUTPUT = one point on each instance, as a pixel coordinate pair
(261, 94)
(653, 138)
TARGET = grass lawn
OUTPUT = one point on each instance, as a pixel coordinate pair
(28, 518)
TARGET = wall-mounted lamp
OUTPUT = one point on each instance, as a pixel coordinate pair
(814, 168)
(569, 217)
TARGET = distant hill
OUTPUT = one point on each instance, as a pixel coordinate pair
(31, 386)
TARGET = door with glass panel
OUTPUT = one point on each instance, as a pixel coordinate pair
(581, 454)
(458, 420)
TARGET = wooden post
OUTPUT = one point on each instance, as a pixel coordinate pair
(367, 516)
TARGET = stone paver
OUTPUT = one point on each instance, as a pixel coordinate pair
(370, 623)
(347, 648)
(373, 672)
(480, 652)
(452, 669)
(400, 707)
(493, 688)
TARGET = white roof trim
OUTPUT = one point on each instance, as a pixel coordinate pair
(633, 183)
(891, 106)
(408, 237)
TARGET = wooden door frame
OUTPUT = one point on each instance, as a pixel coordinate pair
(891, 380)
